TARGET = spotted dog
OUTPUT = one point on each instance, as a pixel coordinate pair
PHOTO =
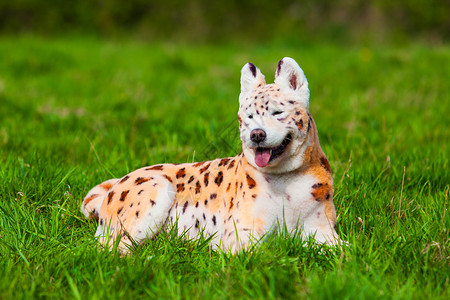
(282, 177)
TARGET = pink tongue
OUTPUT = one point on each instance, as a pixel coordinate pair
(262, 158)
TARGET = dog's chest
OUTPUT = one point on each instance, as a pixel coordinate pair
(284, 198)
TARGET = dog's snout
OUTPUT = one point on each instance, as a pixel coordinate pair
(257, 135)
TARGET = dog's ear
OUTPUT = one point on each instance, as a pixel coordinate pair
(251, 78)
(291, 79)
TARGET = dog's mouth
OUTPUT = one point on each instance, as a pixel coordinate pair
(265, 155)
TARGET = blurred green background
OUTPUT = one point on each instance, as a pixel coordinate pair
(202, 20)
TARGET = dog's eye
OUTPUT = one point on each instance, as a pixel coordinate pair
(250, 116)
(277, 113)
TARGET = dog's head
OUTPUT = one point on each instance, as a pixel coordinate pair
(273, 118)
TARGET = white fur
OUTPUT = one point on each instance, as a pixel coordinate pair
(144, 227)
(250, 82)
(186, 221)
(290, 204)
(155, 216)
(288, 71)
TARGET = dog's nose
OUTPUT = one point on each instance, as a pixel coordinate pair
(257, 135)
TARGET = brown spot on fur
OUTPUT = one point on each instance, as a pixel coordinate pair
(119, 210)
(196, 165)
(299, 124)
(106, 186)
(293, 81)
(124, 179)
(214, 220)
(204, 168)
(180, 187)
(324, 162)
(309, 122)
(321, 191)
(191, 179)
(137, 213)
(206, 179)
(219, 178)
(168, 178)
(197, 187)
(223, 162)
(231, 164)
(94, 214)
(181, 173)
(231, 203)
(185, 206)
(141, 180)
(124, 195)
(250, 182)
(89, 199)
(110, 196)
(156, 168)
(152, 202)
(280, 63)
(213, 196)
(252, 69)
(228, 187)
(140, 192)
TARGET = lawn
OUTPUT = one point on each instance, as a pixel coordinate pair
(76, 111)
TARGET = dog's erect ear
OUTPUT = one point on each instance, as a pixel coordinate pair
(251, 78)
(291, 79)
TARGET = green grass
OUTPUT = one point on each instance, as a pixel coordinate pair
(77, 111)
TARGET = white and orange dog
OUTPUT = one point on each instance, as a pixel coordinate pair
(281, 177)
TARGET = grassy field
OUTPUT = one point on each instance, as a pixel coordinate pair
(77, 111)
